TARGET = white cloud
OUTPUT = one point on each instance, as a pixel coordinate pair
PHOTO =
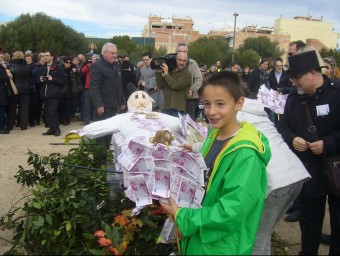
(129, 17)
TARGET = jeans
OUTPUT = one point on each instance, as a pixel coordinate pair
(274, 208)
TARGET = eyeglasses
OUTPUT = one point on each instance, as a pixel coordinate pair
(68, 62)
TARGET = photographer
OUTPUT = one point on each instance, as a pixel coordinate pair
(176, 84)
(53, 78)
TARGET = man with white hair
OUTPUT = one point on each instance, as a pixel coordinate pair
(106, 85)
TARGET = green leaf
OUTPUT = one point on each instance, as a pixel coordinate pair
(48, 219)
(96, 252)
(39, 222)
(68, 226)
(43, 241)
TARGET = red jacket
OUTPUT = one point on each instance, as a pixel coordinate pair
(86, 70)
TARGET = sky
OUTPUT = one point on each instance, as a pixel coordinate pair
(108, 18)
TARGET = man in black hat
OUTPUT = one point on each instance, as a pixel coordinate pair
(320, 96)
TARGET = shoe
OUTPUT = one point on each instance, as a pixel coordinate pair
(32, 124)
(66, 123)
(49, 132)
(325, 239)
(4, 131)
(57, 133)
(291, 209)
(23, 128)
(294, 217)
(37, 122)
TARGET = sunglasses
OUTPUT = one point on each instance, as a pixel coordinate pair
(68, 62)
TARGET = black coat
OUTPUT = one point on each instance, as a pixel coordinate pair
(53, 89)
(128, 77)
(106, 84)
(4, 85)
(21, 75)
(284, 80)
(293, 124)
(257, 78)
(34, 85)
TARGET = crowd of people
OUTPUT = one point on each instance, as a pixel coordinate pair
(257, 165)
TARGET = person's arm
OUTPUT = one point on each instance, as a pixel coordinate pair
(197, 78)
(86, 68)
(160, 80)
(96, 78)
(241, 193)
(178, 81)
(284, 126)
(61, 77)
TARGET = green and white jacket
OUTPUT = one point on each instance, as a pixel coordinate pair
(228, 220)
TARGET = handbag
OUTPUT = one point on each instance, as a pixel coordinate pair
(77, 87)
(331, 164)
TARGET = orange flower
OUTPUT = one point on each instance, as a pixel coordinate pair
(104, 241)
(114, 250)
(121, 220)
(99, 233)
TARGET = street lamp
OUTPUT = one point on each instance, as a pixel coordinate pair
(234, 39)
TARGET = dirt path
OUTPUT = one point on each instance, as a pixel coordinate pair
(13, 152)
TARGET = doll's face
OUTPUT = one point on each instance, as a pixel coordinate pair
(139, 101)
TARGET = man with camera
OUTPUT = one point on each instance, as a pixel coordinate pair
(52, 77)
(176, 85)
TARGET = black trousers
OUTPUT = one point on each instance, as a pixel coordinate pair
(190, 108)
(108, 112)
(51, 113)
(312, 212)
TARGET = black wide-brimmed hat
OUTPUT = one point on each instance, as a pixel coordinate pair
(303, 62)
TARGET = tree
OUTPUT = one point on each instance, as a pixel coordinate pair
(263, 46)
(124, 44)
(207, 50)
(248, 57)
(38, 33)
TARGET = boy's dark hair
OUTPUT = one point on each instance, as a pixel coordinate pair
(228, 80)
(148, 54)
(126, 64)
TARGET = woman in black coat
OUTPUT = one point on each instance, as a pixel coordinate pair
(66, 105)
(4, 83)
(21, 75)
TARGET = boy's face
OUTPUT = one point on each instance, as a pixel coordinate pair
(220, 107)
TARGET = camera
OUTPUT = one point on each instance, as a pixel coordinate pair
(169, 59)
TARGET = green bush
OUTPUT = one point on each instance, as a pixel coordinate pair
(69, 200)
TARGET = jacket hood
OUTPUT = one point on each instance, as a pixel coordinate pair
(247, 137)
(253, 106)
